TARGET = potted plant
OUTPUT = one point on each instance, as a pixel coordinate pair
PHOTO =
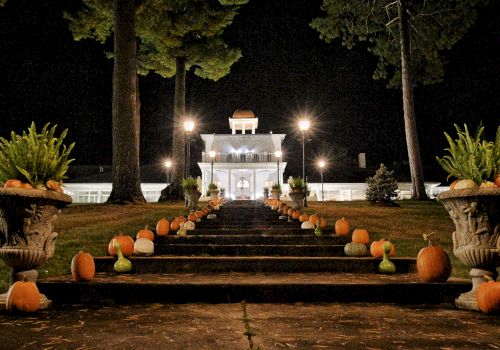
(32, 167)
(297, 191)
(191, 192)
(266, 192)
(276, 191)
(213, 189)
(472, 204)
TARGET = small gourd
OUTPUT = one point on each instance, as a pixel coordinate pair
(181, 232)
(144, 246)
(211, 216)
(355, 249)
(318, 231)
(386, 266)
(122, 264)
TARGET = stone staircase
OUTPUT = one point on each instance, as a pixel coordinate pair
(247, 253)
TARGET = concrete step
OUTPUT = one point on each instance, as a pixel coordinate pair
(251, 237)
(250, 249)
(111, 289)
(209, 264)
(267, 230)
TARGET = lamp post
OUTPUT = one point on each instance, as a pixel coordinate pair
(188, 128)
(321, 165)
(304, 126)
(212, 156)
(278, 155)
(168, 165)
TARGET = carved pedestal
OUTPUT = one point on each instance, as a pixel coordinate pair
(297, 199)
(476, 240)
(192, 198)
(27, 237)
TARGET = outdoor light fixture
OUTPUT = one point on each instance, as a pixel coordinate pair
(304, 125)
(321, 165)
(278, 155)
(212, 156)
(168, 165)
(188, 128)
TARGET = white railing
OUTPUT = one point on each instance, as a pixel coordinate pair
(239, 158)
(99, 192)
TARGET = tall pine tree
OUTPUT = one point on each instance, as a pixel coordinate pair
(408, 38)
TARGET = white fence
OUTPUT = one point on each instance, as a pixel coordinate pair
(99, 192)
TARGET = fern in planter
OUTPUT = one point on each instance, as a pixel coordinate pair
(35, 157)
(189, 185)
(471, 157)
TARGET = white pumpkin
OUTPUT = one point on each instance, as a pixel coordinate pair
(189, 225)
(463, 184)
(307, 225)
(211, 216)
(283, 217)
(144, 246)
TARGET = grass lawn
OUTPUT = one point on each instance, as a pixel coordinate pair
(90, 227)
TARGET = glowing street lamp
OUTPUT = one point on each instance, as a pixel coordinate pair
(168, 165)
(321, 165)
(304, 126)
(188, 128)
(212, 156)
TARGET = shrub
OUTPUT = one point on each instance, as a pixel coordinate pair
(382, 186)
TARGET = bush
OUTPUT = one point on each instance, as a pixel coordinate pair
(382, 187)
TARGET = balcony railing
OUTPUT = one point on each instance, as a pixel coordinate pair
(239, 158)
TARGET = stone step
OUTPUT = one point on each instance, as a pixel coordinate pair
(111, 289)
(288, 231)
(250, 237)
(250, 249)
(209, 264)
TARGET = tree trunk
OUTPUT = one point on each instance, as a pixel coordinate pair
(178, 143)
(416, 169)
(126, 118)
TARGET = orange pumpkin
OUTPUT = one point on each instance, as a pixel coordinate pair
(433, 264)
(53, 185)
(145, 233)
(82, 267)
(175, 225)
(453, 184)
(205, 211)
(304, 218)
(321, 223)
(23, 296)
(27, 185)
(126, 244)
(198, 214)
(497, 180)
(13, 183)
(342, 227)
(290, 211)
(488, 296)
(296, 214)
(162, 227)
(192, 217)
(314, 219)
(180, 219)
(360, 235)
(377, 251)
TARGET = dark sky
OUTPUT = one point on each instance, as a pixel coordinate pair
(46, 76)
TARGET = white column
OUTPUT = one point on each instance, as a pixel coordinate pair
(253, 128)
(243, 128)
(254, 184)
(230, 190)
(233, 130)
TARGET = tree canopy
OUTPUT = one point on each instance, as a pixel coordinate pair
(435, 26)
(166, 30)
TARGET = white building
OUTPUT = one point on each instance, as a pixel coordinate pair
(244, 162)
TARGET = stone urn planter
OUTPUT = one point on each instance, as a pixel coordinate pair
(297, 199)
(476, 239)
(275, 194)
(192, 198)
(27, 237)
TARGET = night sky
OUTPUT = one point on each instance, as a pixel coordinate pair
(286, 69)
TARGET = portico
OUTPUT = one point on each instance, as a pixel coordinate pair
(244, 163)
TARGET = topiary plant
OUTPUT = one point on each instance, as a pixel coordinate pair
(471, 157)
(190, 184)
(297, 184)
(35, 158)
